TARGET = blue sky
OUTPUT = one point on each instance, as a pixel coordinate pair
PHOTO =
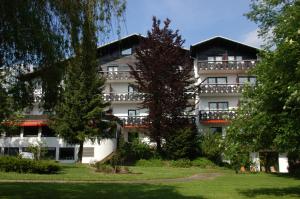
(196, 20)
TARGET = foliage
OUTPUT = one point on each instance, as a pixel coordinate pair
(212, 145)
(16, 164)
(130, 152)
(182, 143)
(163, 73)
(268, 117)
(79, 115)
(37, 35)
(150, 163)
(108, 168)
(203, 162)
(182, 163)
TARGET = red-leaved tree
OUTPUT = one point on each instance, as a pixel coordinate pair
(163, 72)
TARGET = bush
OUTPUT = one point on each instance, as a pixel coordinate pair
(203, 163)
(183, 163)
(150, 163)
(107, 168)
(181, 144)
(130, 152)
(211, 145)
(16, 164)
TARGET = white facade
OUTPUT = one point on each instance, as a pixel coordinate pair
(220, 70)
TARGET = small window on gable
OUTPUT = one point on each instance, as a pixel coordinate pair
(112, 69)
(239, 58)
(127, 51)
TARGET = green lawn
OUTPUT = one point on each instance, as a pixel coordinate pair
(230, 185)
(85, 172)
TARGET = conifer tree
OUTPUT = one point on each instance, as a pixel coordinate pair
(80, 116)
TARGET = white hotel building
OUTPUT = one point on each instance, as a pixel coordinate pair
(221, 68)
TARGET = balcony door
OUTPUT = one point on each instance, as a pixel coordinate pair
(131, 113)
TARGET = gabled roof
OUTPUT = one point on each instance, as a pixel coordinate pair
(123, 43)
(221, 40)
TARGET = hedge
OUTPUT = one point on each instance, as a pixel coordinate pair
(17, 164)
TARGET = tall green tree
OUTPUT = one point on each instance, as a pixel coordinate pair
(269, 117)
(80, 116)
(163, 72)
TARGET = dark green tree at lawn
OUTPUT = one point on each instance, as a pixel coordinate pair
(269, 115)
(79, 115)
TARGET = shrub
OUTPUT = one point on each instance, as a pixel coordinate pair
(130, 152)
(183, 163)
(107, 168)
(181, 144)
(211, 145)
(16, 164)
(203, 163)
(150, 163)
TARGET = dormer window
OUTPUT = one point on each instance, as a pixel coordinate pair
(127, 51)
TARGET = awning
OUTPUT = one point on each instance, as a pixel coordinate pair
(207, 122)
(33, 123)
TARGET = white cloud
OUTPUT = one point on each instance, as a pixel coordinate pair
(251, 38)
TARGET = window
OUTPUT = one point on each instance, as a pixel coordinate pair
(216, 129)
(218, 105)
(66, 153)
(48, 153)
(112, 69)
(131, 89)
(219, 59)
(127, 51)
(14, 132)
(31, 131)
(47, 132)
(239, 58)
(88, 152)
(131, 113)
(232, 59)
(11, 151)
(217, 80)
(247, 79)
(216, 59)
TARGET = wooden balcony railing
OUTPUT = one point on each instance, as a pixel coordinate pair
(143, 121)
(134, 121)
(226, 65)
(220, 88)
(117, 75)
(119, 97)
(216, 114)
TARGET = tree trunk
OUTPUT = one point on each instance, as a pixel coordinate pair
(80, 152)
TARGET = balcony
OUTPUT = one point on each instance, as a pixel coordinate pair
(232, 66)
(220, 88)
(134, 121)
(205, 115)
(143, 121)
(118, 76)
(124, 97)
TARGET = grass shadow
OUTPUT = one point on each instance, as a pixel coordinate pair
(89, 190)
(284, 192)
